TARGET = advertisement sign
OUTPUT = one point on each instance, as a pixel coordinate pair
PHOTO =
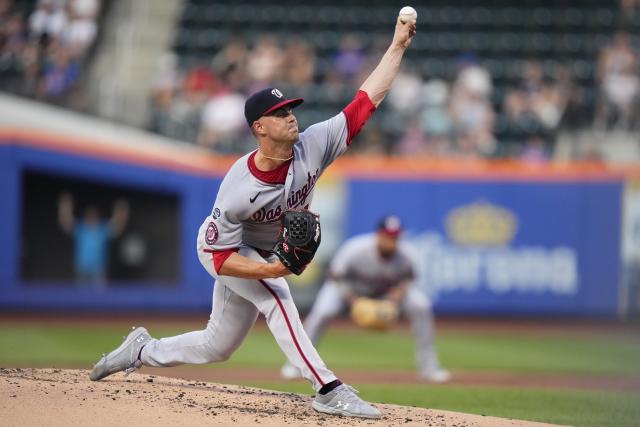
(505, 247)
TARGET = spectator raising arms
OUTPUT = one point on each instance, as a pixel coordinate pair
(91, 235)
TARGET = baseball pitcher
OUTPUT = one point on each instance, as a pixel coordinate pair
(257, 233)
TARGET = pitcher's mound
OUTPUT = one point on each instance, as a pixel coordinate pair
(58, 397)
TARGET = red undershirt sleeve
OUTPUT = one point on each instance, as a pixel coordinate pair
(357, 113)
(219, 257)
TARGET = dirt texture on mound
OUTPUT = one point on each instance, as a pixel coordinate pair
(57, 397)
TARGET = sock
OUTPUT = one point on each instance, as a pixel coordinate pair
(329, 386)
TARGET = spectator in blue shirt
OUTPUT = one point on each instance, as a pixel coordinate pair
(91, 236)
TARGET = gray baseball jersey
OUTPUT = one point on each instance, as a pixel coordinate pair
(359, 266)
(247, 210)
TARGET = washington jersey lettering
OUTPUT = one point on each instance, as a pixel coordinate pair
(248, 208)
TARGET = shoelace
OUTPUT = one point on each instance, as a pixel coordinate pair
(137, 364)
(343, 393)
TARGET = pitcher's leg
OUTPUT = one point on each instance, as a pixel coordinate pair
(327, 305)
(273, 299)
(231, 319)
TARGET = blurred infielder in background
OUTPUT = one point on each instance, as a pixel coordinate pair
(236, 240)
(377, 266)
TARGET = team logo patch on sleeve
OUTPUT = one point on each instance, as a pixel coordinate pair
(216, 213)
(212, 234)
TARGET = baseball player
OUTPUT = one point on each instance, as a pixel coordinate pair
(236, 239)
(376, 265)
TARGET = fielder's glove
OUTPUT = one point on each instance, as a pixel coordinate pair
(299, 239)
(372, 313)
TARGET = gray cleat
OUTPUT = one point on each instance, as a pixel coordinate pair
(343, 400)
(123, 358)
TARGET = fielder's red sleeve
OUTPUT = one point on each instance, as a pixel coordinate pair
(357, 113)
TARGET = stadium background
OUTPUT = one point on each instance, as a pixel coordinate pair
(509, 145)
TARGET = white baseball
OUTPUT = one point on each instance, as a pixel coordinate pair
(408, 14)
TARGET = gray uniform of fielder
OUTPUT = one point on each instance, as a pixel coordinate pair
(357, 268)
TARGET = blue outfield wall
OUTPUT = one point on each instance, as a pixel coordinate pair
(505, 247)
(486, 247)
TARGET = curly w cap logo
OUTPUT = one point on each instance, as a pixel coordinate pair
(481, 224)
(211, 236)
(276, 93)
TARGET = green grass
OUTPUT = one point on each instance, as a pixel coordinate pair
(505, 352)
(592, 354)
(560, 353)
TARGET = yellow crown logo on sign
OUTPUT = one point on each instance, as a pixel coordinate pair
(481, 224)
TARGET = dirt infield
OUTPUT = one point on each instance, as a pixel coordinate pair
(56, 397)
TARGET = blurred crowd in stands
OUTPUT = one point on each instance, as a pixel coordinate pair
(460, 116)
(205, 103)
(43, 49)
(468, 112)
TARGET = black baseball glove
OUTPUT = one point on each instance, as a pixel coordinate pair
(299, 239)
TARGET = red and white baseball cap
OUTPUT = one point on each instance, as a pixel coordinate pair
(390, 225)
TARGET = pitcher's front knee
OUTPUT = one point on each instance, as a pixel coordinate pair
(211, 354)
(219, 349)
(224, 355)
